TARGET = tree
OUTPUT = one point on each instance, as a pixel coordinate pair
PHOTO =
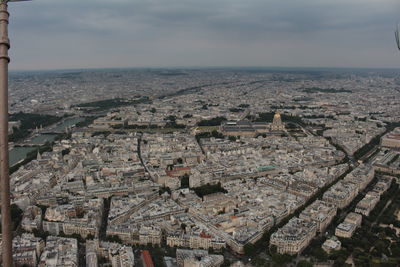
(102, 260)
(273, 249)
(173, 124)
(40, 233)
(232, 138)
(304, 263)
(29, 122)
(217, 134)
(114, 239)
(281, 259)
(185, 181)
(259, 262)
(65, 152)
(320, 254)
(16, 215)
(90, 237)
(209, 189)
(212, 122)
(170, 118)
(183, 226)
(244, 106)
(226, 263)
(249, 249)
(163, 190)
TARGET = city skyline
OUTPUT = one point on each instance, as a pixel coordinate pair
(155, 167)
(183, 133)
(68, 34)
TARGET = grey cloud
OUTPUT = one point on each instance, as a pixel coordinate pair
(133, 32)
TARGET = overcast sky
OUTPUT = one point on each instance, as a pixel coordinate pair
(62, 34)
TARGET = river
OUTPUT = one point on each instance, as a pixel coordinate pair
(19, 153)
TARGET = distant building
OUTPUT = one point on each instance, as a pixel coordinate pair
(83, 219)
(32, 219)
(294, 236)
(320, 212)
(391, 139)
(389, 163)
(59, 251)
(277, 124)
(331, 244)
(239, 128)
(251, 129)
(341, 194)
(170, 262)
(345, 230)
(367, 204)
(197, 258)
(354, 218)
(149, 235)
(202, 241)
(27, 249)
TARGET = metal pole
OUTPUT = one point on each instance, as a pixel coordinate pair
(4, 164)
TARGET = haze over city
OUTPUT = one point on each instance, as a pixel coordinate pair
(63, 34)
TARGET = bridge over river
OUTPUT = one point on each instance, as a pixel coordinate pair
(21, 150)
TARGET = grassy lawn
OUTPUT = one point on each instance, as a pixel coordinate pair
(206, 128)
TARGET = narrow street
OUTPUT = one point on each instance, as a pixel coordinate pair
(104, 218)
(140, 154)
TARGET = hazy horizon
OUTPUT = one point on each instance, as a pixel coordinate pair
(194, 68)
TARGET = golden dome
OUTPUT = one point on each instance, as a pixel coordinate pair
(277, 116)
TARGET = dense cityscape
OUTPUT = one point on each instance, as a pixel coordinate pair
(205, 167)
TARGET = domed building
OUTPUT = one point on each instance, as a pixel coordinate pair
(253, 129)
(277, 124)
